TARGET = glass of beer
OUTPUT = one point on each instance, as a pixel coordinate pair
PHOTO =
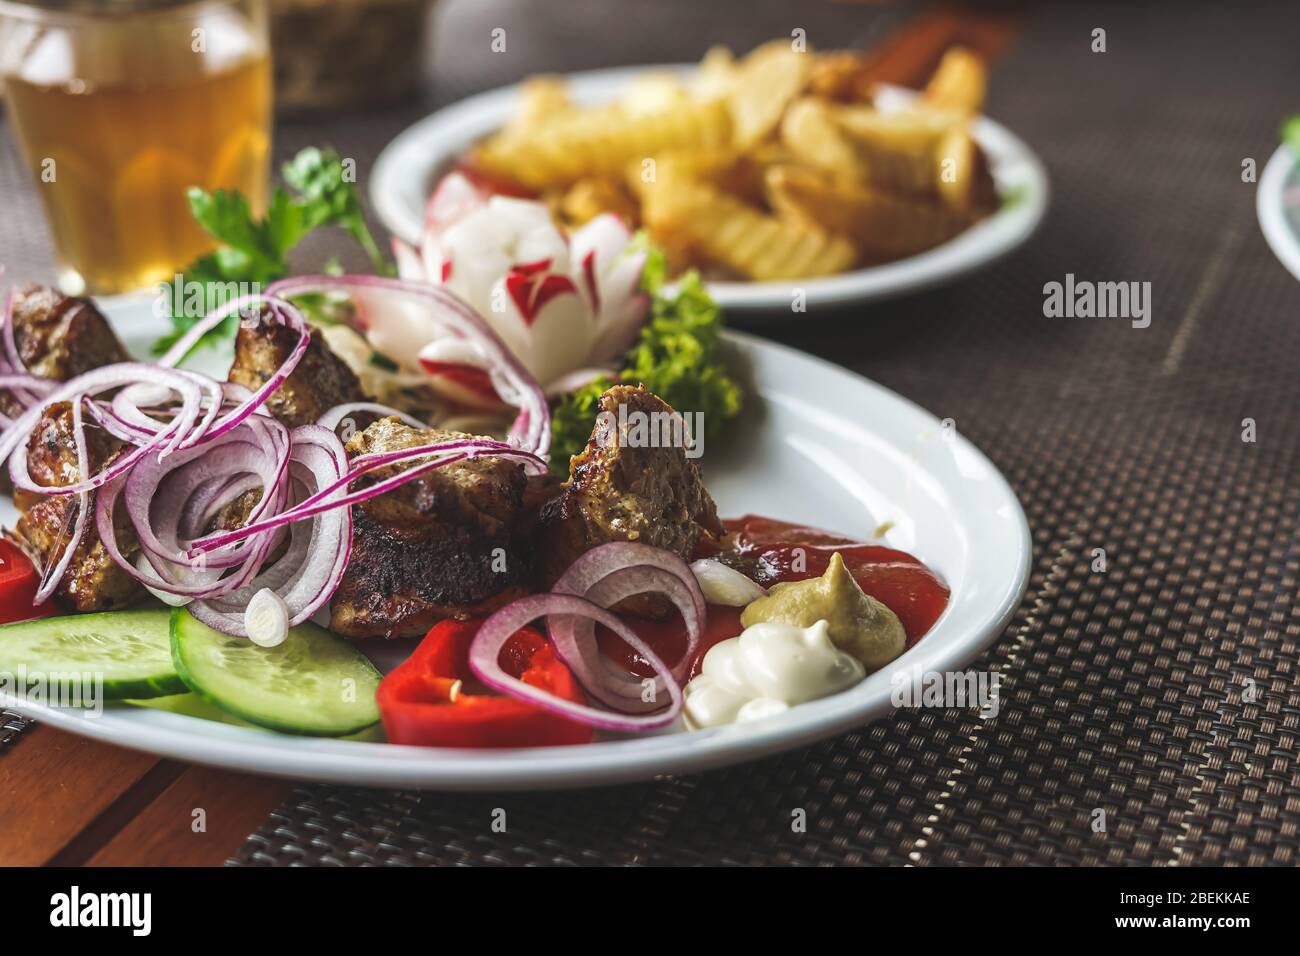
(120, 106)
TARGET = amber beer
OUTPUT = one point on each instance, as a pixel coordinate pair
(118, 116)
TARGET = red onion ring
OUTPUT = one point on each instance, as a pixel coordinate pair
(27, 381)
(451, 452)
(579, 601)
(53, 574)
(197, 445)
(174, 571)
(284, 312)
(13, 443)
(310, 571)
(606, 575)
(513, 382)
(14, 361)
(485, 661)
(335, 415)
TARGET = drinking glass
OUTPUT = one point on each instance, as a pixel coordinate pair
(120, 106)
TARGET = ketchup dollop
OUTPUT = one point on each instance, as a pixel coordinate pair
(770, 551)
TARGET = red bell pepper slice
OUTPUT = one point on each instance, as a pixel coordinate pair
(416, 702)
(18, 585)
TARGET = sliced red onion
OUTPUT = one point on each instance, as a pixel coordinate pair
(335, 415)
(578, 378)
(157, 511)
(171, 600)
(309, 573)
(485, 661)
(173, 570)
(54, 574)
(194, 445)
(606, 575)
(284, 312)
(26, 381)
(441, 455)
(13, 361)
(516, 386)
(185, 344)
(13, 442)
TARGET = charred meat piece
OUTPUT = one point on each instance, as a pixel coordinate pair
(446, 544)
(92, 581)
(624, 489)
(59, 337)
(320, 381)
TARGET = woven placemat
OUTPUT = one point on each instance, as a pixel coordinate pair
(1122, 690)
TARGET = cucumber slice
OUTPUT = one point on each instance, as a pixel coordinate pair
(313, 683)
(131, 650)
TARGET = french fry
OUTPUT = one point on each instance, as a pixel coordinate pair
(542, 98)
(959, 83)
(724, 168)
(844, 75)
(965, 183)
(906, 131)
(917, 152)
(686, 164)
(715, 76)
(652, 92)
(766, 81)
(726, 231)
(773, 166)
(601, 142)
(883, 226)
(810, 132)
(588, 198)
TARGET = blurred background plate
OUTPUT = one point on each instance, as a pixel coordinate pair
(1277, 203)
(409, 166)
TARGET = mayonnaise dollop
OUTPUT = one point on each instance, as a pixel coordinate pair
(769, 668)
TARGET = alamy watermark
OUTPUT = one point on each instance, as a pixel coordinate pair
(975, 689)
(193, 299)
(79, 689)
(133, 911)
(660, 429)
(1084, 299)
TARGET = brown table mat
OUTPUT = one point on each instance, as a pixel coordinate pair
(1122, 691)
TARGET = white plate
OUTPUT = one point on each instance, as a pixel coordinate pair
(818, 445)
(1280, 222)
(405, 172)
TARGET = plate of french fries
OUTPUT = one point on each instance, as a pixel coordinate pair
(788, 178)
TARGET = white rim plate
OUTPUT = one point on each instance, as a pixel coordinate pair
(1280, 225)
(404, 173)
(832, 449)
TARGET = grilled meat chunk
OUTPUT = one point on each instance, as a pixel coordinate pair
(620, 489)
(59, 337)
(92, 581)
(447, 544)
(321, 380)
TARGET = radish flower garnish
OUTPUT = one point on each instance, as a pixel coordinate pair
(566, 307)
